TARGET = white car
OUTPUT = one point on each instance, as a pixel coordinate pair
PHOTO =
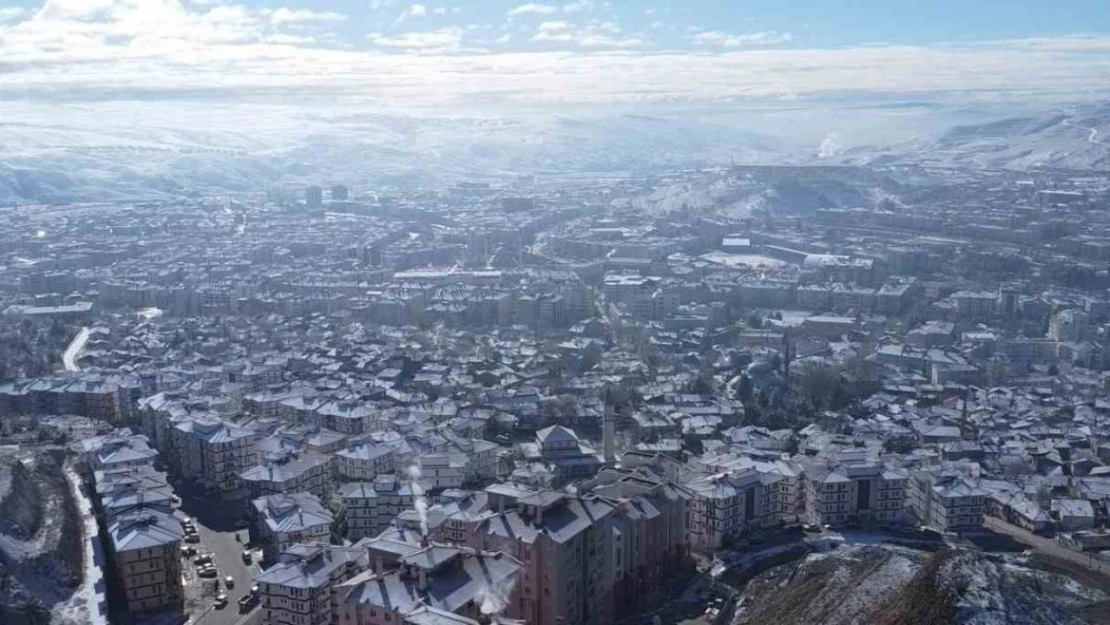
(221, 600)
(229, 581)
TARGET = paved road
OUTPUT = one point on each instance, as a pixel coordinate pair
(73, 351)
(227, 553)
(214, 521)
(1045, 545)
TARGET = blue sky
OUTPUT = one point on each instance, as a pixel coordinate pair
(735, 24)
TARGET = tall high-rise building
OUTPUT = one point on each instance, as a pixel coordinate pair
(314, 197)
(340, 193)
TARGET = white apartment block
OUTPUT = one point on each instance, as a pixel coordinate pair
(726, 506)
(443, 470)
(854, 493)
(364, 462)
(945, 503)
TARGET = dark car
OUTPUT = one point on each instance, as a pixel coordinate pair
(247, 603)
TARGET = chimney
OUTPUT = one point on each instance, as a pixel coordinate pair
(539, 515)
(422, 585)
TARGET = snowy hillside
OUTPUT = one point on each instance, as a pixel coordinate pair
(888, 585)
(1072, 140)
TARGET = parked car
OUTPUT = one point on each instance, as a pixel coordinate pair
(192, 538)
(247, 602)
(203, 559)
(221, 600)
(229, 582)
(246, 556)
(208, 571)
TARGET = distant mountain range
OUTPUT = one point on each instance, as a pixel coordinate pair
(84, 155)
(49, 164)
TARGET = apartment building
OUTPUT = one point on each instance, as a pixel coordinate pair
(649, 535)
(726, 506)
(146, 561)
(946, 503)
(119, 450)
(443, 470)
(281, 521)
(299, 588)
(364, 462)
(290, 472)
(565, 544)
(864, 492)
(213, 451)
(359, 501)
(561, 449)
(451, 580)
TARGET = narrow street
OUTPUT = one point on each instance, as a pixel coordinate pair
(1046, 546)
(215, 526)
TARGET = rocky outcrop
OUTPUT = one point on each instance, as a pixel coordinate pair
(40, 538)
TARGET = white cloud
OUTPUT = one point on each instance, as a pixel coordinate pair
(557, 31)
(504, 39)
(592, 35)
(376, 5)
(749, 40)
(443, 39)
(441, 11)
(289, 40)
(650, 11)
(10, 14)
(418, 10)
(579, 6)
(533, 8)
(605, 41)
(285, 15)
(103, 49)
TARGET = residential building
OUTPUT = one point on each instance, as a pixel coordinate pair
(364, 462)
(945, 503)
(281, 521)
(300, 588)
(560, 448)
(864, 492)
(213, 451)
(565, 544)
(146, 561)
(726, 506)
(455, 580)
(290, 472)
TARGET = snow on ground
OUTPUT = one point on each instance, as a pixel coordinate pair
(88, 603)
(751, 261)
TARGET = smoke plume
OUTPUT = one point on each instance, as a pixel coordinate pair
(419, 502)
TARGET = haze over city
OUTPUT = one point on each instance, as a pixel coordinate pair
(491, 312)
